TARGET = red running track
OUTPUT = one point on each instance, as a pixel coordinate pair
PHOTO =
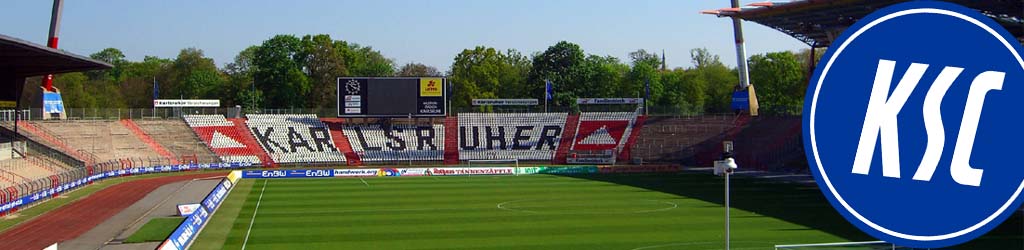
(72, 220)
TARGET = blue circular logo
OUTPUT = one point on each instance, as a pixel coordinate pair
(910, 124)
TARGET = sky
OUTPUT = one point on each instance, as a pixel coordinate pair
(428, 32)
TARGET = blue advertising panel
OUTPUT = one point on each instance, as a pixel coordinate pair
(292, 173)
(908, 122)
(52, 103)
(741, 100)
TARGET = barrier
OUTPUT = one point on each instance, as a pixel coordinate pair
(472, 171)
(639, 169)
(293, 173)
(558, 170)
(47, 193)
(186, 232)
(355, 172)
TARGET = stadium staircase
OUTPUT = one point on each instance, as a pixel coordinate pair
(572, 122)
(627, 150)
(335, 125)
(249, 139)
(145, 138)
(451, 140)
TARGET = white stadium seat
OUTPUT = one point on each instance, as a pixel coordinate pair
(398, 143)
(294, 138)
(523, 136)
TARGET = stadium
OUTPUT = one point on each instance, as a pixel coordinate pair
(394, 161)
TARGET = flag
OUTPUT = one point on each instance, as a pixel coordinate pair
(548, 93)
(156, 89)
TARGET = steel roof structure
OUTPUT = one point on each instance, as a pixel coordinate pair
(818, 22)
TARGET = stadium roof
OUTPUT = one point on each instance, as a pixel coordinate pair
(20, 58)
(818, 22)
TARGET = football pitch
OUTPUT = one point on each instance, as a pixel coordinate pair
(639, 211)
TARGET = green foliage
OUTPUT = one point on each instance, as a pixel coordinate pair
(482, 73)
(287, 71)
(278, 64)
(562, 65)
(779, 80)
(417, 69)
(155, 230)
(323, 64)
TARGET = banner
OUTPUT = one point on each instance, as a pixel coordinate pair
(558, 170)
(609, 100)
(296, 173)
(639, 169)
(193, 103)
(472, 171)
(216, 196)
(414, 171)
(505, 102)
(52, 103)
(355, 172)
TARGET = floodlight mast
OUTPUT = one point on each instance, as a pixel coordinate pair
(741, 49)
(51, 40)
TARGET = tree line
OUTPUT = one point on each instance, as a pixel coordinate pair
(289, 71)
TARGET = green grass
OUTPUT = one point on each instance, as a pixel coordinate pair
(673, 211)
(156, 229)
(43, 207)
(216, 231)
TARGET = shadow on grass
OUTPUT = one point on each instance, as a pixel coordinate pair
(799, 204)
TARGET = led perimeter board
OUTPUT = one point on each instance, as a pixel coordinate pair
(391, 97)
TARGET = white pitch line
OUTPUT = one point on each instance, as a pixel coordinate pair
(364, 182)
(254, 211)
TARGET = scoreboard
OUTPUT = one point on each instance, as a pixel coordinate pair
(391, 97)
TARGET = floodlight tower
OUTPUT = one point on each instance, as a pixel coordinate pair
(51, 40)
(741, 49)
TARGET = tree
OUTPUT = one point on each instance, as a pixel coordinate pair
(417, 69)
(185, 72)
(602, 76)
(719, 80)
(112, 56)
(780, 81)
(139, 77)
(364, 61)
(646, 67)
(484, 72)
(240, 81)
(323, 64)
(278, 68)
(562, 65)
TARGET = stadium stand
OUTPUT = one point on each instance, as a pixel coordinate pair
(107, 140)
(523, 136)
(680, 139)
(294, 138)
(231, 141)
(336, 125)
(148, 140)
(176, 136)
(404, 142)
(775, 143)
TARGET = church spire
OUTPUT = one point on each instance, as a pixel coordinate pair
(663, 67)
